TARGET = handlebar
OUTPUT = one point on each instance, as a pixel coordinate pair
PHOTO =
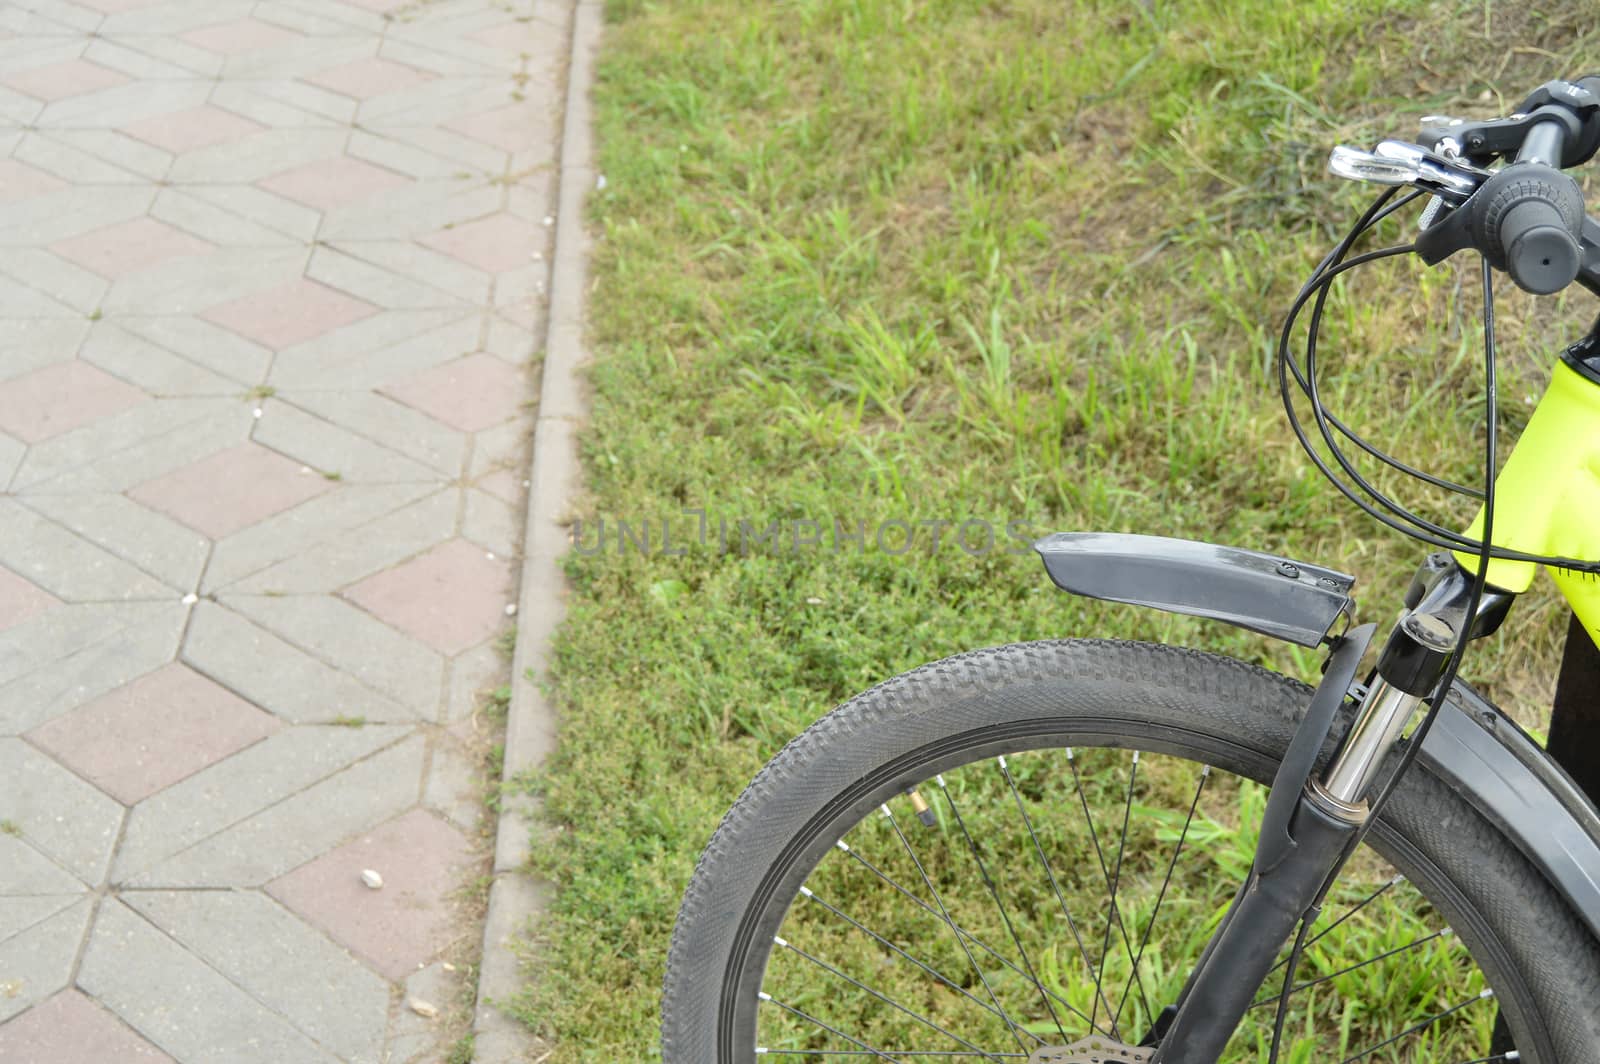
(1527, 218)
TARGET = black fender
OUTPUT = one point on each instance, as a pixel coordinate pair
(1500, 770)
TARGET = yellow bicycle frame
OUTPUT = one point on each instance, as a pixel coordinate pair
(1547, 496)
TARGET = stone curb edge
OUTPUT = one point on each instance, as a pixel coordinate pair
(515, 897)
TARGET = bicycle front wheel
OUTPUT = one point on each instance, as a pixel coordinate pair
(1001, 855)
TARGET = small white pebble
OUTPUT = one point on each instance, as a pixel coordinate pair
(424, 1009)
(489, 555)
(447, 966)
(190, 599)
(511, 609)
(549, 219)
(537, 255)
(600, 182)
(256, 412)
(372, 879)
(305, 469)
(527, 483)
(814, 601)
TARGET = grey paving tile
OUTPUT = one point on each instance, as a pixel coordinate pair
(473, 674)
(173, 18)
(491, 523)
(280, 961)
(231, 791)
(58, 813)
(512, 342)
(20, 301)
(63, 281)
(173, 50)
(193, 285)
(418, 52)
(172, 553)
(437, 100)
(17, 109)
(412, 1036)
(416, 209)
(327, 447)
(277, 676)
(74, 16)
(257, 156)
(299, 828)
(114, 55)
(19, 912)
(502, 447)
(71, 163)
(390, 423)
(410, 160)
(57, 661)
(321, 19)
(352, 641)
(138, 159)
(422, 265)
(195, 212)
(38, 962)
(39, 48)
(291, 104)
(291, 222)
(72, 211)
(464, 153)
(376, 350)
(31, 873)
(147, 441)
(154, 369)
(11, 452)
(67, 566)
(181, 1003)
(220, 350)
(375, 284)
(455, 787)
(27, 344)
(125, 104)
(336, 563)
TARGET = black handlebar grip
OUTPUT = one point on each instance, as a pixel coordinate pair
(1529, 217)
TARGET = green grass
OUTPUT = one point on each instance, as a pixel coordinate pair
(869, 261)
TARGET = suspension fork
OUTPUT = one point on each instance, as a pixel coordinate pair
(1312, 824)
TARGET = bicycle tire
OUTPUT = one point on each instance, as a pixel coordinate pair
(1542, 963)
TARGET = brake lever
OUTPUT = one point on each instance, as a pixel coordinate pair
(1395, 162)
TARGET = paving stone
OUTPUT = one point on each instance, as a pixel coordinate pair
(38, 962)
(505, 446)
(255, 210)
(388, 423)
(259, 157)
(346, 637)
(19, 181)
(146, 442)
(226, 492)
(237, 38)
(334, 451)
(172, 19)
(21, 599)
(218, 350)
(58, 813)
(516, 344)
(60, 398)
(287, 104)
(139, 159)
(70, 1029)
(374, 284)
(198, 62)
(199, 127)
(455, 787)
(415, 209)
(153, 732)
(233, 790)
(328, 523)
(527, 129)
(473, 675)
(128, 246)
(57, 81)
(66, 283)
(470, 394)
(31, 874)
(153, 370)
(191, 286)
(21, 911)
(412, 1036)
(403, 158)
(179, 1002)
(301, 827)
(407, 922)
(377, 350)
(31, 344)
(73, 210)
(66, 657)
(64, 565)
(12, 451)
(366, 78)
(495, 243)
(332, 182)
(280, 961)
(435, 100)
(492, 523)
(114, 55)
(277, 676)
(451, 598)
(422, 265)
(158, 545)
(319, 309)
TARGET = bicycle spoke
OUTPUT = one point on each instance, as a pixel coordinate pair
(968, 936)
(764, 1051)
(807, 892)
(928, 882)
(1055, 887)
(868, 1050)
(1114, 883)
(1099, 853)
(1005, 917)
(1424, 940)
(1482, 995)
(1149, 928)
(1348, 913)
(825, 966)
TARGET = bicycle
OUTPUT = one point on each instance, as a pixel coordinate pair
(905, 880)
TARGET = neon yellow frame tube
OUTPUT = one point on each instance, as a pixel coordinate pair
(1547, 496)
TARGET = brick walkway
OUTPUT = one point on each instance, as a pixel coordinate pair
(271, 272)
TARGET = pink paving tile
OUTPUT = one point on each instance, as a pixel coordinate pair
(70, 1029)
(21, 599)
(469, 394)
(498, 242)
(57, 81)
(451, 598)
(237, 38)
(406, 923)
(60, 398)
(151, 733)
(289, 314)
(129, 246)
(232, 490)
(515, 127)
(19, 181)
(198, 127)
(367, 78)
(333, 182)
